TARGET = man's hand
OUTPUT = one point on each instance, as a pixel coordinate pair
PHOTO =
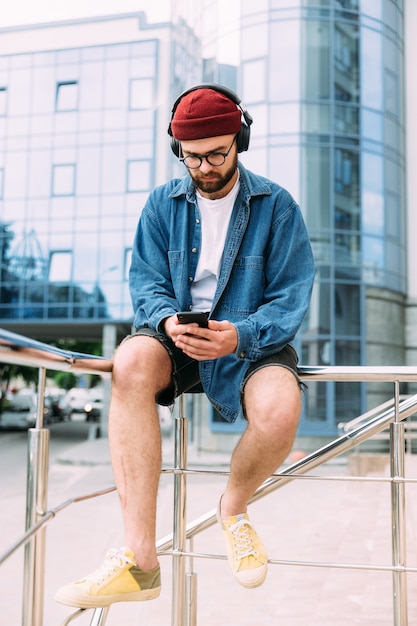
(201, 344)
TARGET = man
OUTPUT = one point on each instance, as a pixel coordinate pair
(227, 242)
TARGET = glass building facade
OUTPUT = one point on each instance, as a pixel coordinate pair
(84, 132)
(78, 159)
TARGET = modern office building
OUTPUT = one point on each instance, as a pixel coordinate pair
(84, 107)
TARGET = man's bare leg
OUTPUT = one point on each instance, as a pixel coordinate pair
(272, 400)
(141, 369)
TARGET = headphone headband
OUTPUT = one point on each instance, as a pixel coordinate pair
(243, 136)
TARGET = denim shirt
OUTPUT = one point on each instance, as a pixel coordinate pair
(265, 279)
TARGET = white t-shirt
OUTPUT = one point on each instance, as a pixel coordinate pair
(215, 217)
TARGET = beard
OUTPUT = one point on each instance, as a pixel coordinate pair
(214, 187)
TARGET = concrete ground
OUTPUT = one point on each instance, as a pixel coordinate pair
(322, 521)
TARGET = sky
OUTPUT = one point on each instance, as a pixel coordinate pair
(18, 12)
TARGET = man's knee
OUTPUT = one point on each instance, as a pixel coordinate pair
(272, 398)
(140, 357)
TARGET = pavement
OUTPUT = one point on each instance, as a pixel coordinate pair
(320, 520)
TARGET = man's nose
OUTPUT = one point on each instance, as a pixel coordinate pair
(205, 166)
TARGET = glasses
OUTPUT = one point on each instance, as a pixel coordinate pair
(194, 161)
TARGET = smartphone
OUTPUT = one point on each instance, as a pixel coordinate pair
(188, 317)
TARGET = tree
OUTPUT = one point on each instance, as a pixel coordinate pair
(9, 372)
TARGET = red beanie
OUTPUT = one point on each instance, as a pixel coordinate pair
(205, 113)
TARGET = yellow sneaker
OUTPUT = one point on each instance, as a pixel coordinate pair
(245, 551)
(119, 579)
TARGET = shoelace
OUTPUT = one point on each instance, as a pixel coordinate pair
(243, 542)
(115, 558)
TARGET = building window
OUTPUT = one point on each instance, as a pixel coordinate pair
(63, 180)
(60, 266)
(138, 175)
(141, 93)
(127, 263)
(3, 101)
(66, 98)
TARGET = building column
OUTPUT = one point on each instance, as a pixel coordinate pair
(109, 345)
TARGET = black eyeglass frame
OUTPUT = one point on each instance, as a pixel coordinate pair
(206, 157)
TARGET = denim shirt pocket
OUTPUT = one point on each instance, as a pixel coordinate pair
(178, 271)
(246, 286)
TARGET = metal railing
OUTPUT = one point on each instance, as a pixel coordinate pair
(17, 349)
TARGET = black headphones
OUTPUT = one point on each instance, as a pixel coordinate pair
(243, 136)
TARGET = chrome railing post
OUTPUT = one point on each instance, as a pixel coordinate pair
(398, 517)
(191, 590)
(36, 498)
(178, 616)
(100, 616)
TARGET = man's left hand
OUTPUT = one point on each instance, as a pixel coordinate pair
(201, 344)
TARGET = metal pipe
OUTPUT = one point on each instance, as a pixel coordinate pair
(179, 529)
(191, 589)
(36, 497)
(100, 616)
(398, 523)
(72, 617)
(308, 463)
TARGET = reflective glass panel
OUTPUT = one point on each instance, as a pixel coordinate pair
(371, 69)
(347, 249)
(316, 62)
(372, 193)
(315, 174)
(66, 96)
(63, 180)
(316, 401)
(3, 100)
(138, 175)
(317, 320)
(372, 125)
(347, 401)
(60, 265)
(141, 93)
(373, 260)
(347, 309)
(283, 76)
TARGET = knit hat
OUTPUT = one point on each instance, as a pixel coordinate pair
(205, 113)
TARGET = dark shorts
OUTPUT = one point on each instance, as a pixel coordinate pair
(185, 371)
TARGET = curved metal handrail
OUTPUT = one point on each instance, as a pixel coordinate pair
(21, 350)
(15, 348)
(47, 517)
(309, 462)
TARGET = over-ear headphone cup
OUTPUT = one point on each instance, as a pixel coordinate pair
(175, 147)
(242, 138)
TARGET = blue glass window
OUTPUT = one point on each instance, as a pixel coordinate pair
(141, 93)
(3, 101)
(63, 180)
(138, 175)
(60, 266)
(66, 98)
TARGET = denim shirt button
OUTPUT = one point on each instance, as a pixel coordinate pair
(194, 250)
(197, 221)
(190, 279)
(242, 355)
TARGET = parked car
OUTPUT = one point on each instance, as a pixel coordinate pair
(94, 405)
(20, 411)
(73, 402)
